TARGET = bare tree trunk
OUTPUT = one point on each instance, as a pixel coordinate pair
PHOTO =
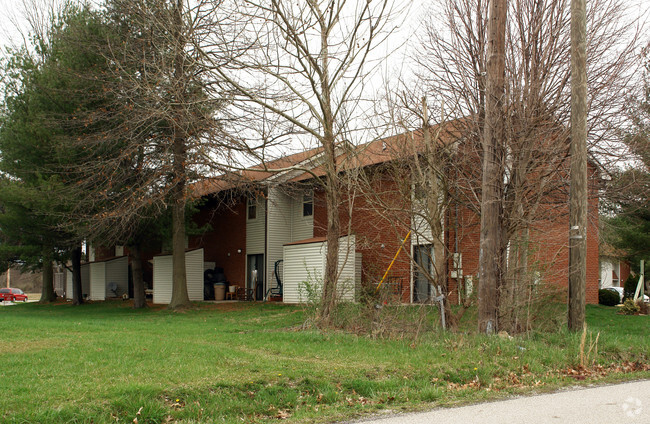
(139, 299)
(77, 287)
(578, 192)
(180, 297)
(332, 186)
(490, 256)
(47, 292)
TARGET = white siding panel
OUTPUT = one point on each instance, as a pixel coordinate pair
(98, 281)
(255, 230)
(68, 285)
(279, 230)
(117, 271)
(306, 263)
(163, 271)
(162, 279)
(194, 271)
(347, 269)
(303, 263)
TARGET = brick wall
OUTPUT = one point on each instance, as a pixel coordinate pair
(226, 237)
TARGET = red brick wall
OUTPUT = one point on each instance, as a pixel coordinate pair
(624, 272)
(374, 227)
(227, 236)
(379, 233)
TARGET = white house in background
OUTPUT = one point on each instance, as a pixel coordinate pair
(613, 270)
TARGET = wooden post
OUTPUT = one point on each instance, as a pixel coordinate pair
(490, 255)
(578, 189)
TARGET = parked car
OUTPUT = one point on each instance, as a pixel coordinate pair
(15, 295)
(619, 290)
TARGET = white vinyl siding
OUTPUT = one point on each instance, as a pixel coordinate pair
(163, 271)
(304, 267)
(117, 271)
(279, 231)
(98, 281)
(255, 230)
(194, 270)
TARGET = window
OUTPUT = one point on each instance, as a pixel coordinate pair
(307, 204)
(252, 208)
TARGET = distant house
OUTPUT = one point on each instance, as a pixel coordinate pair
(613, 270)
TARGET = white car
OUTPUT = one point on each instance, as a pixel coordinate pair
(619, 290)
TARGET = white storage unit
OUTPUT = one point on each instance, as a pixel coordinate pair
(117, 271)
(163, 271)
(98, 281)
(103, 273)
(304, 267)
(85, 282)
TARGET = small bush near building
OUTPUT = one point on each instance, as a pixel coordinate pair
(608, 297)
(643, 307)
(629, 307)
(630, 286)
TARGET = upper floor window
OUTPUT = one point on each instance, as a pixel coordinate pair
(308, 204)
(252, 208)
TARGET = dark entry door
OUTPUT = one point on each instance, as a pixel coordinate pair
(255, 273)
(423, 256)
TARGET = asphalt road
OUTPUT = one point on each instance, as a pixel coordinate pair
(620, 403)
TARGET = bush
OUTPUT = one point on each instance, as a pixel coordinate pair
(608, 297)
(630, 286)
(643, 307)
(629, 307)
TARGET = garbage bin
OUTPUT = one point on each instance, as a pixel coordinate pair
(219, 291)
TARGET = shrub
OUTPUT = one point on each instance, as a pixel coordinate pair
(629, 307)
(608, 297)
(630, 286)
(643, 307)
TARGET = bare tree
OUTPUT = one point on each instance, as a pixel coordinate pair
(453, 60)
(304, 68)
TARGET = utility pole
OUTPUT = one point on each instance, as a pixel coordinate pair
(490, 256)
(578, 189)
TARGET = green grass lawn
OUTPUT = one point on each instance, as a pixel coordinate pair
(107, 363)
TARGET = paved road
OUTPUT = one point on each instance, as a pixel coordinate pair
(620, 403)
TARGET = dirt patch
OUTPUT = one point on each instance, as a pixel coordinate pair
(22, 346)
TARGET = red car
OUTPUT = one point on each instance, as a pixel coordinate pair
(9, 294)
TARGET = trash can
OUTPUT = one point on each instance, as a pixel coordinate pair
(219, 291)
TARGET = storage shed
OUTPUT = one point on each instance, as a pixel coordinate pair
(109, 278)
(85, 282)
(304, 268)
(163, 271)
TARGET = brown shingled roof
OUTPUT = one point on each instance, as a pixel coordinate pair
(372, 153)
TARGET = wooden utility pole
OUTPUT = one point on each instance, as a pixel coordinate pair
(578, 190)
(492, 179)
